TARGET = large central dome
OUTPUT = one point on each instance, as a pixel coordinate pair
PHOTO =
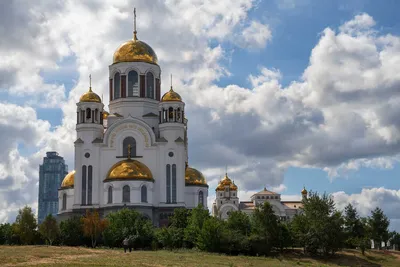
(135, 51)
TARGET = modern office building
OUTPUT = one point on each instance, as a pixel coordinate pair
(51, 174)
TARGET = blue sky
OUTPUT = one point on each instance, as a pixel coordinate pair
(291, 131)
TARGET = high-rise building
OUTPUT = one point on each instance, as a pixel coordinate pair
(51, 174)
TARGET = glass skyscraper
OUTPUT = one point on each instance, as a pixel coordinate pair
(51, 174)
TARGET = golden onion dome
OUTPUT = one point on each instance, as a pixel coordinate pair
(304, 191)
(226, 181)
(194, 177)
(68, 180)
(171, 95)
(135, 51)
(129, 169)
(105, 115)
(90, 96)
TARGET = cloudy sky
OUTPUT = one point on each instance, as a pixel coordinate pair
(285, 93)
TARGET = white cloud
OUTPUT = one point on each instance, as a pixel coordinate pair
(256, 35)
(368, 199)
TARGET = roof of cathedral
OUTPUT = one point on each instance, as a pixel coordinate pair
(90, 96)
(129, 169)
(194, 177)
(246, 205)
(68, 180)
(171, 95)
(135, 51)
(265, 192)
(225, 182)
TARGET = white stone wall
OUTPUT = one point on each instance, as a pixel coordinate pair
(192, 196)
(70, 200)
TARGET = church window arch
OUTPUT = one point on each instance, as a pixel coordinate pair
(110, 195)
(168, 172)
(117, 85)
(150, 85)
(90, 182)
(96, 113)
(64, 202)
(173, 183)
(126, 194)
(83, 201)
(201, 198)
(88, 113)
(133, 83)
(143, 194)
(129, 141)
(170, 114)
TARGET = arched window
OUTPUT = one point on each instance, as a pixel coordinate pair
(178, 115)
(201, 198)
(150, 85)
(133, 83)
(64, 202)
(84, 185)
(90, 181)
(129, 141)
(168, 172)
(170, 114)
(110, 195)
(143, 193)
(126, 194)
(173, 183)
(117, 86)
(88, 113)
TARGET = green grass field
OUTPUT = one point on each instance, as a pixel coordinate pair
(70, 256)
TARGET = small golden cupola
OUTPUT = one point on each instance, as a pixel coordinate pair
(90, 96)
(68, 181)
(135, 50)
(226, 181)
(304, 191)
(194, 177)
(171, 95)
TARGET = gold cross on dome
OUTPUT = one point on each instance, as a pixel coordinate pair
(90, 80)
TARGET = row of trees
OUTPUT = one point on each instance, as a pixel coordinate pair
(319, 229)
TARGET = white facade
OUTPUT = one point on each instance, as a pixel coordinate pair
(152, 174)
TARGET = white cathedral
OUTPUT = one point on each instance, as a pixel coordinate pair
(136, 154)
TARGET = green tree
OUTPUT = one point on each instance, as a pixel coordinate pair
(6, 234)
(240, 222)
(25, 226)
(49, 229)
(352, 226)
(128, 223)
(210, 235)
(93, 226)
(171, 237)
(180, 218)
(395, 239)
(379, 225)
(320, 226)
(196, 219)
(71, 232)
(265, 227)
(284, 237)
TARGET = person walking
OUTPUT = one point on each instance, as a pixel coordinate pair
(125, 244)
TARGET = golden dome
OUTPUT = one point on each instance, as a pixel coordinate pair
(194, 177)
(134, 51)
(226, 182)
(68, 180)
(129, 169)
(90, 96)
(171, 95)
(304, 191)
(105, 115)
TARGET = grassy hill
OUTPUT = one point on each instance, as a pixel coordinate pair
(70, 256)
